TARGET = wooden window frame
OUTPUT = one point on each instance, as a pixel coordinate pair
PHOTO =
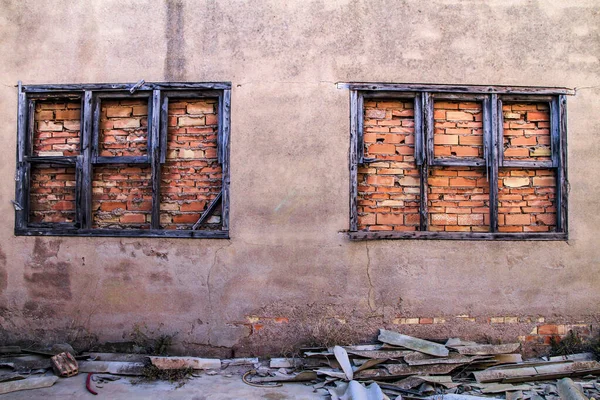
(91, 96)
(491, 98)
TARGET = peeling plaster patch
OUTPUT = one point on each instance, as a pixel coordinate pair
(45, 276)
(583, 58)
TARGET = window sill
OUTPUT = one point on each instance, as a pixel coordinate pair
(124, 233)
(363, 235)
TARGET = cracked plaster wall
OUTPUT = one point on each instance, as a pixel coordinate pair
(289, 148)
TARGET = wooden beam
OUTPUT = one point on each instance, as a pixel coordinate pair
(396, 235)
(495, 112)
(22, 169)
(126, 86)
(154, 111)
(388, 95)
(163, 133)
(459, 96)
(562, 185)
(360, 131)
(123, 159)
(458, 162)
(486, 89)
(527, 164)
(30, 127)
(225, 145)
(211, 207)
(123, 233)
(428, 124)
(90, 110)
(420, 159)
(353, 160)
(70, 160)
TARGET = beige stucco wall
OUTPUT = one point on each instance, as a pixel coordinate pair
(289, 171)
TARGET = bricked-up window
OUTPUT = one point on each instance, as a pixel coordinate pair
(150, 159)
(457, 162)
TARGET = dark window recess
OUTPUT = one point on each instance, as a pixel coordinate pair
(458, 162)
(150, 160)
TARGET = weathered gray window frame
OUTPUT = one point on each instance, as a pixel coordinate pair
(492, 98)
(91, 95)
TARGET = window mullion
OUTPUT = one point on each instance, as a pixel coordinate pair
(85, 165)
(420, 154)
(492, 131)
(559, 158)
(224, 118)
(22, 172)
(355, 112)
(155, 155)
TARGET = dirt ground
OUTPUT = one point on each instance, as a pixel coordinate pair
(205, 387)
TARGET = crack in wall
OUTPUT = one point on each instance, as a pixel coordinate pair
(208, 287)
(371, 295)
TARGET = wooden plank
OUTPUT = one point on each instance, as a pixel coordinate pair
(70, 160)
(89, 107)
(495, 112)
(211, 207)
(353, 161)
(488, 349)
(124, 233)
(154, 142)
(388, 95)
(428, 124)
(30, 127)
(111, 367)
(500, 134)
(26, 384)
(532, 373)
(360, 131)
(94, 140)
(78, 191)
(421, 159)
(419, 130)
(456, 235)
(473, 89)
(527, 164)
(185, 362)
(225, 145)
(555, 131)
(124, 95)
(126, 86)
(562, 170)
(458, 162)
(424, 193)
(22, 108)
(424, 346)
(163, 133)
(123, 160)
(526, 98)
(459, 96)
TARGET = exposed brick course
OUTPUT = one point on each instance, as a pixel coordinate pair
(458, 129)
(123, 128)
(121, 196)
(526, 131)
(458, 199)
(192, 175)
(52, 194)
(526, 200)
(388, 190)
(56, 129)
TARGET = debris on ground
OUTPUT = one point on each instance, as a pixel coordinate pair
(397, 367)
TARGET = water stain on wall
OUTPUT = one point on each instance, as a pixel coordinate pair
(46, 277)
(175, 62)
(3, 272)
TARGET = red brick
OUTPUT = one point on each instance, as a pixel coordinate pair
(119, 112)
(390, 219)
(186, 218)
(380, 148)
(537, 116)
(133, 218)
(380, 180)
(113, 205)
(518, 219)
(425, 320)
(194, 206)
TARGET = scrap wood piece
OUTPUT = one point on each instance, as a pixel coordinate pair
(26, 384)
(94, 356)
(488, 349)
(370, 363)
(112, 367)
(400, 370)
(574, 357)
(384, 354)
(342, 358)
(65, 365)
(185, 362)
(208, 211)
(11, 376)
(424, 346)
(416, 380)
(417, 358)
(502, 388)
(10, 349)
(457, 342)
(568, 390)
(538, 372)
